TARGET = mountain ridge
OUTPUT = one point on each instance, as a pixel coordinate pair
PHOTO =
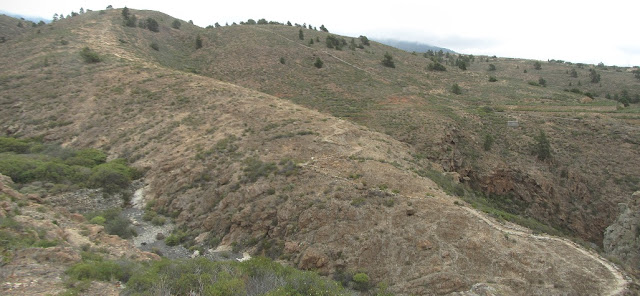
(412, 46)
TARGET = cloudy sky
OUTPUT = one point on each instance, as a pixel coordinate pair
(577, 31)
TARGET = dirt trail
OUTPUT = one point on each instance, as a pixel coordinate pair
(621, 282)
(617, 287)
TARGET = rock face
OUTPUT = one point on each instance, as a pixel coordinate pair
(622, 238)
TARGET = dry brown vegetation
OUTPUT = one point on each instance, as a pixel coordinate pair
(234, 150)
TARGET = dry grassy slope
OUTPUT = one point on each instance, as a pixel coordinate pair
(10, 29)
(577, 192)
(194, 135)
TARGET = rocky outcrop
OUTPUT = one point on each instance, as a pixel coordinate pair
(38, 269)
(622, 238)
(533, 193)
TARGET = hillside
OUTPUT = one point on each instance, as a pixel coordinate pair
(415, 105)
(235, 153)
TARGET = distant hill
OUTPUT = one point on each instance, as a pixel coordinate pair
(34, 19)
(412, 46)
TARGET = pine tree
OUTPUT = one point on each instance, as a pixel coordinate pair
(198, 42)
(125, 13)
(300, 35)
(542, 146)
(594, 76)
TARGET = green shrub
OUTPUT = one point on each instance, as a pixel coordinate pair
(488, 142)
(131, 21)
(113, 176)
(149, 215)
(120, 226)
(46, 243)
(198, 42)
(152, 25)
(542, 147)
(98, 220)
(175, 238)
(364, 40)
(318, 63)
(257, 276)
(574, 73)
(114, 222)
(361, 281)
(155, 46)
(435, 66)
(333, 41)
(492, 67)
(542, 82)
(158, 220)
(537, 65)
(59, 165)
(455, 88)
(8, 144)
(98, 270)
(289, 167)
(18, 167)
(387, 61)
(492, 79)
(594, 76)
(255, 168)
(358, 201)
(90, 56)
(176, 24)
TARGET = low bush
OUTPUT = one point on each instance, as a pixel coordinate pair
(435, 66)
(456, 89)
(255, 169)
(361, 281)
(90, 56)
(114, 222)
(175, 238)
(26, 161)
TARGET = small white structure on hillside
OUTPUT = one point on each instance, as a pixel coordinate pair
(512, 123)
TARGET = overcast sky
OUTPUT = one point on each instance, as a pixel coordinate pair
(577, 31)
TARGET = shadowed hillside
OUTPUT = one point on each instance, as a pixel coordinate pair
(234, 152)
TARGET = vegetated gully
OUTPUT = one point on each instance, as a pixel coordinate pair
(150, 237)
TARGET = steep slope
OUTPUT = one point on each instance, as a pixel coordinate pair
(415, 105)
(262, 174)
